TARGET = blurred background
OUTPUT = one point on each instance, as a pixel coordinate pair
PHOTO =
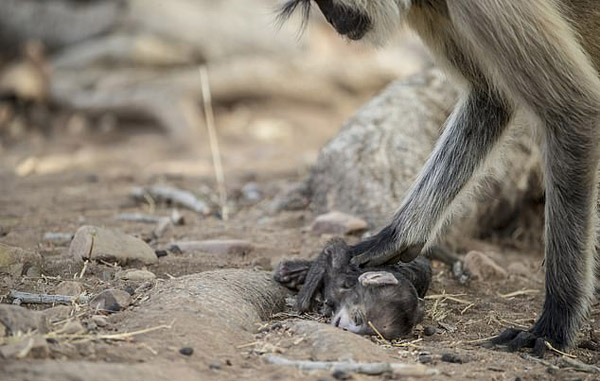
(99, 85)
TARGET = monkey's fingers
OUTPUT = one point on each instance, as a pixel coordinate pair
(373, 258)
(515, 339)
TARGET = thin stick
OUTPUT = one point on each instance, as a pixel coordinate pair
(30, 298)
(374, 368)
(376, 331)
(83, 270)
(114, 336)
(549, 346)
(214, 142)
(518, 293)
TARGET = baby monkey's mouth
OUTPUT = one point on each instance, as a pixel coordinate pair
(347, 21)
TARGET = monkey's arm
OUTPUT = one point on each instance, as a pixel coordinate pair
(292, 274)
(471, 132)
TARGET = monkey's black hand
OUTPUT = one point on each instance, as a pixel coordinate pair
(383, 248)
(514, 339)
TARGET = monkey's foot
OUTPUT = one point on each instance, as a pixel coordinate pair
(515, 339)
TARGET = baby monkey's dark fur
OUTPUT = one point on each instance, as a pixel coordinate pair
(388, 296)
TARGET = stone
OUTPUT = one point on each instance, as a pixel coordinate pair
(111, 300)
(263, 263)
(482, 267)
(57, 313)
(453, 358)
(519, 268)
(136, 275)
(94, 243)
(14, 260)
(72, 327)
(100, 321)
(338, 223)
(69, 288)
(186, 351)
(15, 319)
(226, 246)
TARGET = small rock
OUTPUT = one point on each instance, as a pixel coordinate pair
(482, 267)
(231, 246)
(453, 358)
(72, 327)
(69, 288)
(215, 365)
(186, 351)
(57, 313)
(58, 238)
(33, 271)
(341, 375)
(136, 275)
(15, 319)
(519, 268)
(96, 243)
(251, 193)
(161, 253)
(262, 262)
(111, 300)
(100, 320)
(13, 260)
(429, 331)
(425, 358)
(338, 223)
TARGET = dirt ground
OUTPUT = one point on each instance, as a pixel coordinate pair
(56, 181)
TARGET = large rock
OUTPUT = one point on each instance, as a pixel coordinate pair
(15, 261)
(367, 169)
(94, 243)
(14, 319)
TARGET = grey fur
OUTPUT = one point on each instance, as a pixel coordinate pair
(537, 57)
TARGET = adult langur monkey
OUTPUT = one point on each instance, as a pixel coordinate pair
(539, 57)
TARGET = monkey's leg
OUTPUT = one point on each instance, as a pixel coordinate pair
(571, 162)
(471, 132)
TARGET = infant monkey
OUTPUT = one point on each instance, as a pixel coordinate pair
(387, 297)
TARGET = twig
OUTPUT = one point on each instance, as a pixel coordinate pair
(376, 368)
(518, 293)
(377, 332)
(31, 298)
(83, 270)
(549, 346)
(566, 362)
(169, 194)
(114, 336)
(214, 142)
(139, 217)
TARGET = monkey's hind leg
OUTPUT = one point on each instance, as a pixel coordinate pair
(571, 195)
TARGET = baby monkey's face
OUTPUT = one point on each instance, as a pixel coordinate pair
(378, 303)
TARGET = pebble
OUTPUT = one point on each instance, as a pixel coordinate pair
(215, 365)
(69, 288)
(14, 260)
(111, 300)
(92, 242)
(226, 246)
(186, 351)
(341, 375)
(99, 320)
(482, 267)
(72, 327)
(251, 192)
(136, 275)
(453, 358)
(262, 262)
(429, 331)
(57, 313)
(338, 223)
(425, 358)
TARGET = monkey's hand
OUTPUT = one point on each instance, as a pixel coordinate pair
(384, 248)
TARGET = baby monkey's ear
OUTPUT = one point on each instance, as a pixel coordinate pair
(377, 278)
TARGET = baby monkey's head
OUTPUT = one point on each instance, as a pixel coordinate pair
(371, 20)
